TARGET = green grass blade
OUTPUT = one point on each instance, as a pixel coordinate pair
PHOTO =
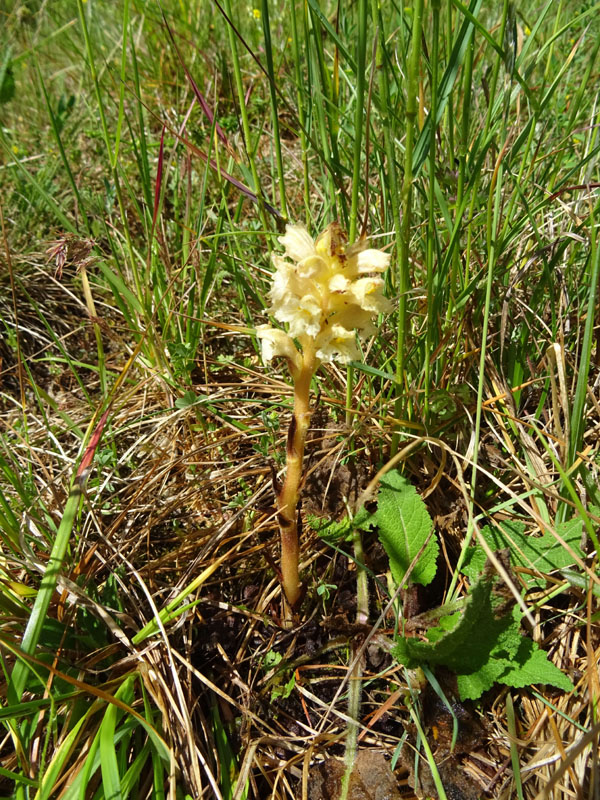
(60, 757)
(48, 585)
(446, 85)
(274, 110)
(42, 601)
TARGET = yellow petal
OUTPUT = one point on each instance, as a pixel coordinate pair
(297, 242)
(277, 343)
(337, 344)
(372, 261)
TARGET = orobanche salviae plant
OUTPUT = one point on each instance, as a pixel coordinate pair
(325, 292)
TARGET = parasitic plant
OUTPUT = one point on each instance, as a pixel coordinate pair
(326, 292)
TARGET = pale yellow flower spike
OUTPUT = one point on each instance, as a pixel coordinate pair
(323, 285)
(326, 293)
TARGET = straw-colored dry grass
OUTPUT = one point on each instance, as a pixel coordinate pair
(183, 494)
(168, 607)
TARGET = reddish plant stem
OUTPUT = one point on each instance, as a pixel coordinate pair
(287, 502)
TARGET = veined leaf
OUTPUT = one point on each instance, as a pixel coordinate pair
(404, 526)
(542, 553)
(485, 645)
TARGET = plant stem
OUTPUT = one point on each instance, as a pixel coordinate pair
(354, 688)
(431, 235)
(361, 49)
(290, 493)
(301, 110)
(493, 222)
(274, 113)
(359, 110)
(357, 664)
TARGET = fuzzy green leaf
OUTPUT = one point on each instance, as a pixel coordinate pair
(542, 553)
(484, 645)
(472, 685)
(467, 646)
(530, 666)
(404, 525)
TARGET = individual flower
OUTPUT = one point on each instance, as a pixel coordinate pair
(337, 344)
(368, 294)
(277, 343)
(369, 260)
(326, 292)
(298, 242)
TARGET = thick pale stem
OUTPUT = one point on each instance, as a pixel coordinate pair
(290, 493)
